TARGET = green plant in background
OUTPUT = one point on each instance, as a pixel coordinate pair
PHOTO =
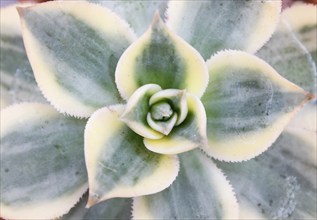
(155, 110)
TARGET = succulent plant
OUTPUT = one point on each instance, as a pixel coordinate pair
(172, 103)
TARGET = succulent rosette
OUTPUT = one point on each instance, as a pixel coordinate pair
(154, 109)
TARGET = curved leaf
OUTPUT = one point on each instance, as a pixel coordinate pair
(164, 127)
(136, 111)
(119, 209)
(177, 98)
(200, 191)
(118, 163)
(248, 104)
(289, 57)
(303, 20)
(42, 162)
(17, 80)
(73, 54)
(210, 26)
(281, 183)
(191, 133)
(137, 13)
(161, 57)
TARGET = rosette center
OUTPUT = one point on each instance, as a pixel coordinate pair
(161, 111)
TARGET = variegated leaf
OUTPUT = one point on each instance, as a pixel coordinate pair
(248, 104)
(281, 183)
(176, 98)
(285, 52)
(136, 110)
(73, 54)
(200, 191)
(118, 163)
(17, 80)
(161, 57)
(118, 208)
(137, 13)
(210, 26)
(43, 170)
(302, 19)
(191, 133)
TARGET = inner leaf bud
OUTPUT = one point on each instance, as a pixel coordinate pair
(161, 111)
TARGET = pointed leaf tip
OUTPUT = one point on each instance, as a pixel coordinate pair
(248, 105)
(160, 54)
(157, 20)
(75, 80)
(118, 163)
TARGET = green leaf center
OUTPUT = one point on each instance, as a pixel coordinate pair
(161, 111)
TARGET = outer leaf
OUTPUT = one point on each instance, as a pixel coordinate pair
(42, 162)
(248, 104)
(289, 57)
(136, 111)
(210, 26)
(119, 208)
(118, 163)
(74, 55)
(282, 182)
(161, 57)
(303, 20)
(17, 80)
(201, 191)
(186, 136)
(137, 13)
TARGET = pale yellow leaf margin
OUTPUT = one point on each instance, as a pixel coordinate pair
(223, 188)
(96, 135)
(52, 208)
(93, 16)
(250, 144)
(197, 73)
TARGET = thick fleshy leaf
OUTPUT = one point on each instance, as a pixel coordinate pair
(281, 183)
(161, 57)
(42, 162)
(164, 127)
(210, 26)
(118, 208)
(137, 13)
(200, 191)
(136, 111)
(190, 134)
(17, 80)
(302, 18)
(118, 163)
(177, 98)
(285, 53)
(248, 104)
(74, 49)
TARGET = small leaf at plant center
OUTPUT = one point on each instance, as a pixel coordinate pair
(191, 133)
